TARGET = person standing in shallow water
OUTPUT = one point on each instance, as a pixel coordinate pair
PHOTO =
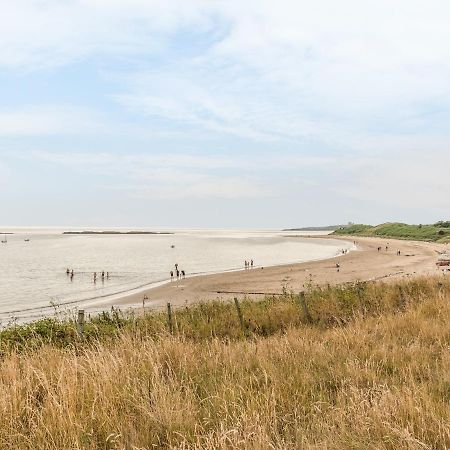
(171, 275)
(251, 263)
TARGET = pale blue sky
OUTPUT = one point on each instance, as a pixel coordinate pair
(190, 113)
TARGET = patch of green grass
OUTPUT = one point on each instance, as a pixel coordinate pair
(438, 232)
(354, 229)
(321, 307)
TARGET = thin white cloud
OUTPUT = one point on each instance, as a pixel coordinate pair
(175, 185)
(108, 161)
(162, 175)
(404, 180)
(49, 120)
(36, 33)
(284, 71)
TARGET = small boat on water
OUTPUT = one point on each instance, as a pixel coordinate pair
(172, 246)
(26, 240)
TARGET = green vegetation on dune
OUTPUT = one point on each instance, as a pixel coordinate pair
(438, 232)
(360, 366)
(354, 229)
(322, 307)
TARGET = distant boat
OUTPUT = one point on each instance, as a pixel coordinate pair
(172, 246)
(26, 240)
(5, 241)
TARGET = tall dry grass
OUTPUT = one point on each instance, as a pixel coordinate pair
(371, 372)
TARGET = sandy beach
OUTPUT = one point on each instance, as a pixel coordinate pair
(366, 263)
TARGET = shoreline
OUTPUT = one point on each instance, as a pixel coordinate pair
(127, 297)
(365, 263)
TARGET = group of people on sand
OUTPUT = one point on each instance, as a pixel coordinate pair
(387, 248)
(248, 264)
(103, 275)
(178, 272)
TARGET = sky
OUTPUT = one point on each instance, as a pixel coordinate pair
(224, 114)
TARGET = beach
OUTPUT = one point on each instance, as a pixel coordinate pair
(34, 262)
(365, 263)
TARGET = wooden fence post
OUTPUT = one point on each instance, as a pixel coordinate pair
(305, 307)
(239, 313)
(169, 318)
(80, 322)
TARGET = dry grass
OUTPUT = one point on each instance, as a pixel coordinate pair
(371, 372)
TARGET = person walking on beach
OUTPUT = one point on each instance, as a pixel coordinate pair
(71, 276)
(95, 277)
(171, 275)
(178, 274)
(107, 275)
(251, 263)
(183, 274)
(67, 271)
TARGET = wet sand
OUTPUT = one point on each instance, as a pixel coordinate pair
(366, 263)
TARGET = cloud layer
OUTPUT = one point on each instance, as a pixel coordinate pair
(344, 105)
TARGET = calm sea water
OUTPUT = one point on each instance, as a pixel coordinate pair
(33, 274)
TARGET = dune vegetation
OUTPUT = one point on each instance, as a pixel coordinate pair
(438, 232)
(365, 365)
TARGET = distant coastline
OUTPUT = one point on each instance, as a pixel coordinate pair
(117, 232)
(325, 228)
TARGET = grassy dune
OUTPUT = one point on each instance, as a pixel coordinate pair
(438, 232)
(364, 366)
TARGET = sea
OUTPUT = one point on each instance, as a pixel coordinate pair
(34, 261)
